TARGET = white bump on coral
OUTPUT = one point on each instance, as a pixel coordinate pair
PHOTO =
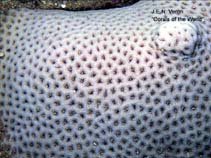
(177, 36)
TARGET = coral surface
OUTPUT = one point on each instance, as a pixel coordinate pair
(108, 83)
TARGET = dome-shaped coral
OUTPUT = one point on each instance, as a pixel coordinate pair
(94, 84)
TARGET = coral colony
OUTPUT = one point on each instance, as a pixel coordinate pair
(107, 83)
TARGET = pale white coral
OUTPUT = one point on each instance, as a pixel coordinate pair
(177, 36)
(93, 84)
